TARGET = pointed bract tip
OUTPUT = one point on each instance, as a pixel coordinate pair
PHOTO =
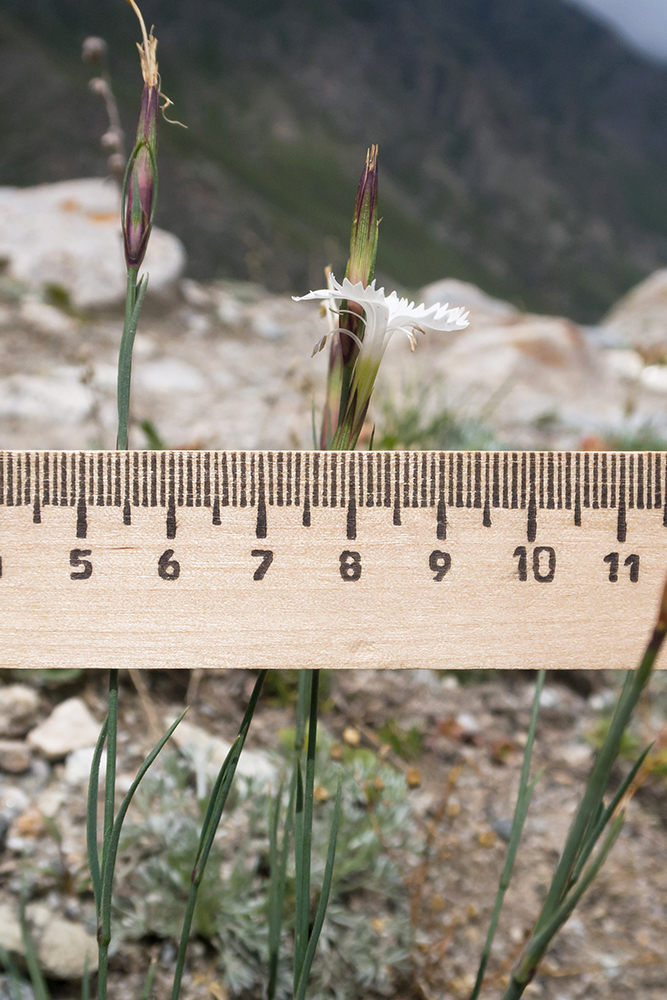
(363, 240)
(147, 51)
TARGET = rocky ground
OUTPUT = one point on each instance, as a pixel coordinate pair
(458, 785)
(225, 365)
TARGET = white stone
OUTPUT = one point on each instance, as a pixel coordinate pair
(69, 727)
(13, 801)
(265, 324)
(625, 363)
(46, 318)
(62, 945)
(577, 754)
(229, 310)
(59, 398)
(209, 752)
(14, 756)
(640, 317)
(19, 705)
(169, 375)
(78, 764)
(68, 234)
(654, 377)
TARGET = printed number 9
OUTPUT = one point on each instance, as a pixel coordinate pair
(440, 564)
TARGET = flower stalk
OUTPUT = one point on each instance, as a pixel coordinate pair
(343, 349)
(380, 316)
(138, 211)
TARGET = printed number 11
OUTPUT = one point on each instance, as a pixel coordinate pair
(631, 561)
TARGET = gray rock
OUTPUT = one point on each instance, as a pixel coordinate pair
(62, 945)
(69, 727)
(78, 764)
(640, 317)
(68, 234)
(14, 756)
(483, 309)
(7, 989)
(18, 709)
(208, 752)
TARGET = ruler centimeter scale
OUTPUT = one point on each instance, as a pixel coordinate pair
(330, 559)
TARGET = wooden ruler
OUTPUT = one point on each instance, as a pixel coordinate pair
(335, 560)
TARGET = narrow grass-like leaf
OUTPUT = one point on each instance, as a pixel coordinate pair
(606, 815)
(37, 979)
(91, 818)
(213, 816)
(274, 930)
(299, 945)
(302, 706)
(85, 981)
(149, 979)
(539, 943)
(587, 815)
(300, 992)
(523, 799)
(109, 859)
(276, 892)
(104, 918)
(12, 972)
(302, 916)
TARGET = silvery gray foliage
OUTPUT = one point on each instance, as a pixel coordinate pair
(366, 937)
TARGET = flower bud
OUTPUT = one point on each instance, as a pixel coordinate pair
(141, 174)
(141, 179)
(364, 238)
(94, 51)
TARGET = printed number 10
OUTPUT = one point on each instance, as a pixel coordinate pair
(541, 554)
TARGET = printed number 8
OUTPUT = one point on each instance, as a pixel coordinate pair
(350, 565)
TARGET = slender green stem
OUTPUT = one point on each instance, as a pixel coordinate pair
(278, 883)
(524, 796)
(91, 818)
(104, 919)
(303, 701)
(305, 821)
(300, 991)
(213, 816)
(134, 300)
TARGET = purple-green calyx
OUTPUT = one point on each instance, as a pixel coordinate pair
(141, 181)
(364, 238)
(360, 267)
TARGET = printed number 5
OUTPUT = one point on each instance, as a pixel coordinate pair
(76, 559)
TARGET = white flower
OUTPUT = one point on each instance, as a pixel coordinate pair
(383, 316)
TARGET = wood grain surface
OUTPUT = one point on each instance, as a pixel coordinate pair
(304, 559)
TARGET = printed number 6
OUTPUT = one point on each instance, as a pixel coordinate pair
(168, 568)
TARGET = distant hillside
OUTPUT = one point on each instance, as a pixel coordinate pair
(522, 145)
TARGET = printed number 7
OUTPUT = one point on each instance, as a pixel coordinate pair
(267, 558)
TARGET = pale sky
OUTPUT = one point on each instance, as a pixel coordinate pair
(643, 22)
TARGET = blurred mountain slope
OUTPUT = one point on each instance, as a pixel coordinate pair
(523, 147)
